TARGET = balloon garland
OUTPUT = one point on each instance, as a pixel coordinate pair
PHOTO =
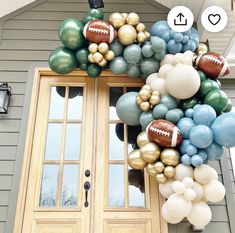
(179, 119)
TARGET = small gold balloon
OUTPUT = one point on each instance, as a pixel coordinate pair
(202, 48)
(169, 171)
(90, 58)
(138, 100)
(156, 93)
(135, 160)
(170, 157)
(150, 152)
(97, 57)
(145, 106)
(117, 20)
(93, 48)
(144, 94)
(103, 48)
(103, 62)
(150, 169)
(133, 19)
(154, 99)
(109, 55)
(125, 16)
(160, 178)
(127, 34)
(146, 87)
(147, 34)
(140, 27)
(159, 167)
(141, 37)
(142, 139)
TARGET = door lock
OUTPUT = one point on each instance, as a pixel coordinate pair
(87, 186)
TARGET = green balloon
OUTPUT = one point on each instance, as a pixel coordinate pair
(134, 71)
(62, 60)
(149, 66)
(83, 66)
(147, 50)
(82, 55)
(202, 75)
(229, 106)
(207, 86)
(118, 65)
(87, 18)
(70, 33)
(217, 99)
(159, 56)
(94, 70)
(132, 54)
(146, 118)
(96, 13)
(116, 47)
(127, 109)
(188, 103)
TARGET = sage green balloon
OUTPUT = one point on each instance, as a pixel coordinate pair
(62, 60)
(96, 13)
(132, 54)
(118, 65)
(146, 118)
(87, 18)
(207, 86)
(94, 70)
(82, 55)
(127, 109)
(149, 66)
(147, 50)
(71, 35)
(134, 71)
(116, 47)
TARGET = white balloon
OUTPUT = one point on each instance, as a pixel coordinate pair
(200, 215)
(182, 81)
(214, 191)
(165, 188)
(168, 59)
(199, 191)
(166, 215)
(188, 181)
(182, 171)
(151, 77)
(159, 84)
(178, 187)
(189, 194)
(204, 174)
(179, 58)
(187, 61)
(189, 53)
(163, 71)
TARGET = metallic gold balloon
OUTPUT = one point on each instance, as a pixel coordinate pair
(141, 37)
(150, 169)
(135, 160)
(109, 55)
(117, 20)
(147, 34)
(145, 106)
(93, 48)
(159, 167)
(90, 58)
(142, 139)
(133, 19)
(169, 171)
(154, 99)
(125, 15)
(150, 152)
(138, 100)
(160, 178)
(97, 57)
(127, 34)
(202, 48)
(103, 62)
(156, 93)
(170, 157)
(103, 48)
(144, 94)
(147, 87)
(140, 27)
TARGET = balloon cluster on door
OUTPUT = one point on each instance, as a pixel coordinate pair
(182, 114)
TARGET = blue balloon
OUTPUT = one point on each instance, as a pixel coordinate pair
(189, 113)
(196, 106)
(174, 47)
(214, 151)
(169, 101)
(196, 160)
(223, 129)
(178, 37)
(180, 112)
(147, 50)
(166, 36)
(185, 125)
(132, 54)
(183, 146)
(145, 119)
(160, 28)
(191, 150)
(203, 154)
(186, 160)
(118, 65)
(185, 39)
(158, 44)
(190, 45)
(173, 116)
(159, 56)
(172, 34)
(201, 136)
(159, 111)
(204, 115)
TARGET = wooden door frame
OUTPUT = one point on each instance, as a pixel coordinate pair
(21, 199)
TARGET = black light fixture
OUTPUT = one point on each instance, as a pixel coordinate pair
(5, 95)
(96, 3)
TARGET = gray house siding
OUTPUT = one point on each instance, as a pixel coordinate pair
(28, 38)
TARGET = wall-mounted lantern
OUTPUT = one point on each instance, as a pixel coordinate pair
(5, 95)
(96, 3)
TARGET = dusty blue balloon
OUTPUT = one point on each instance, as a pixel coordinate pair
(186, 160)
(201, 136)
(158, 44)
(159, 111)
(204, 115)
(185, 125)
(169, 101)
(214, 151)
(174, 47)
(190, 45)
(172, 34)
(178, 37)
(196, 160)
(149, 66)
(116, 47)
(189, 113)
(132, 54)
(118, 65)
(145, 119)
(223, 129)
(161, 29)
(147, 50)
(134, 71)
(127, 109)
(183, 146)
(191, 150)
(203, 154)
(196, 106)
(159, 56)
(180, 112)
(173, 116)
(185, 39)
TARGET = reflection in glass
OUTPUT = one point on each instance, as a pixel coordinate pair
(54, 132)
(75, 103)
(70, 185)
(57, 103)
(136, 188)
(116, 146)
(115, 93)
(116, 185)
(72, 143)
(49, 186)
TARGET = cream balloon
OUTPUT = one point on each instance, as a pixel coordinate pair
(168, 217)
(165, 189)
(163, 71)
(189, 194)
(182, 81)
(182, 171)
(178, 187)
(188, 182)
(187, 61)
(179, 58)
(200, 214)
(204, 174)
(199, 191)
(159, 84)
(168, 59)
(189, 53)
(214, 191)
(151, 77)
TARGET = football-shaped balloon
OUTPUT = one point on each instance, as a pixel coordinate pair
(98, 31)
(164, 133)
(213, 65)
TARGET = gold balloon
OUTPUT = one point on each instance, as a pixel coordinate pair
(103, 62)
(202, 48)
(151, 170)
(103, 48)
(169, 171)
(170, 157)
(150, 152)
(125, 16)
(160, 178)
(147, 87)
(109, 55)
(127, 34)
(135, 160)
(145, 106)
(156, 93)
(133, 19)
(144, 94)
(154, 99)
(159, 167)
(140, 27)
(117, 20)
(147, 34)
(138, 100)
(90, 58)
(141, 37)
(142, 139)
(93, 48)
(97, 57)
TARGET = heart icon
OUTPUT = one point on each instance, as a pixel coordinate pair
(214, 18)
